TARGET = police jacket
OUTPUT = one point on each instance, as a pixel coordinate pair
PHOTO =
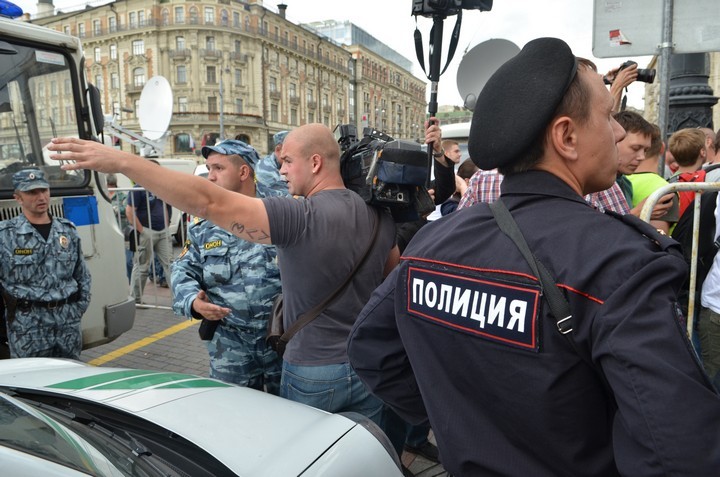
(33, 268)
(460, 333)
(235, 273)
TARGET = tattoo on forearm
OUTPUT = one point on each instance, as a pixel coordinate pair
(254, 234)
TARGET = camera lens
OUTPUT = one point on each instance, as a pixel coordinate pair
(646, 75)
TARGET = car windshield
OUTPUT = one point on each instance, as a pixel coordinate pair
(27, 430)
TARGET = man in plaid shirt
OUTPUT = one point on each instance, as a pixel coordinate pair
(485, 187)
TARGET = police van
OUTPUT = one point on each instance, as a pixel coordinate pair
(44, 94)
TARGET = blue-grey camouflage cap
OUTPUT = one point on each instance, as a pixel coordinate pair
(231, 147)
(279, 137)
(29, 179)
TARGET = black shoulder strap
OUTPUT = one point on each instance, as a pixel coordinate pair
(559, 306)
(310, 315)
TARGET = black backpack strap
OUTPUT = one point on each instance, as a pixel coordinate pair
(559, 306)
(310, 315)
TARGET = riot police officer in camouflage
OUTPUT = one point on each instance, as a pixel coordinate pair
(45, 282)
(230, 282)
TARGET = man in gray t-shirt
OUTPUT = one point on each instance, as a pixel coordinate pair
(318, 237)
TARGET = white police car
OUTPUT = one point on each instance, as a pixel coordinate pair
(65, 418)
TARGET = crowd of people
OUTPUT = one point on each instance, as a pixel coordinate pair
(538, 327)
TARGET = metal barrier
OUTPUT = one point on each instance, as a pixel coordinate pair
(646, 212)
(151, 297)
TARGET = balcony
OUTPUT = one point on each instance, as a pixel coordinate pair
(235, 56)
(311, 104)
(179, 54)
(327, 109)
(275, 94)
(294, 99)
(205, 53)
(133, 88)
(195, 118)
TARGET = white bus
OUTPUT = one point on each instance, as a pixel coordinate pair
(44, 94)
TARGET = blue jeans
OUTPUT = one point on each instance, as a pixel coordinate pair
(332, 388)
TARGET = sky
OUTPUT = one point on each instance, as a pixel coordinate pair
(390, 21)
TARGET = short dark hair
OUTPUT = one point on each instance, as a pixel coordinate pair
(634, 123)
(574, 104)
(655, 142)
(467, 169)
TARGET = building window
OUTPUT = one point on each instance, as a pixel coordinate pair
(324, 100)
(96, 55)
(66, 30)
(223, 17)
(181, 74)
(66, 86)
(116, 108)
(238, 46)
(138, 47)
(114, 81)
(136, 107)
(139, 77)
(293, 117)
(97, 30)
(209, 15)
(99, 82)
(292, 90)
(274, 112)
(311, 117)
(238, 77)
(113, 51)
(180, 43)
(53, 88)
(182, 104)
(165, 15)
(179, 15)
(81, 30)
(193, 16)
(210, 43)
(141, 18)
(211, 75)
(310, 95)
(212, 104)
(239, 106)
(272, 84)
(112, 24)
(236, 19)
(132, 19)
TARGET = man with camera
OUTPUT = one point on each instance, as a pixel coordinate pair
(531, 346)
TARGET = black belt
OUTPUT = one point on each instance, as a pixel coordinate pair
(25, 305)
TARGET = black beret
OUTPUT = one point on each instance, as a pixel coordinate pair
(518, 102)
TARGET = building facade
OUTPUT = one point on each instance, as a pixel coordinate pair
(236, 68)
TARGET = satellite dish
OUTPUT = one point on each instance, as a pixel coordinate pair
(155, 108)
(479, 64)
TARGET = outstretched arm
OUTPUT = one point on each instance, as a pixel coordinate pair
(241, 215)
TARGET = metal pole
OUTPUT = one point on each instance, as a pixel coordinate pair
(665, 52)
(222, 115)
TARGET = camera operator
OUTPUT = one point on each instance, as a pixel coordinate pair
(620, 78)
(442, 187)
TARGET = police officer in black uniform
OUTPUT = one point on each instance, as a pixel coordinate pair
(462, 333)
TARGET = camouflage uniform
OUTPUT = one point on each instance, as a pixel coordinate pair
(239, 275)
(268, 174)
(32, 268)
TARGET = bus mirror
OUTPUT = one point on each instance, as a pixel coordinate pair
(96, 108)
